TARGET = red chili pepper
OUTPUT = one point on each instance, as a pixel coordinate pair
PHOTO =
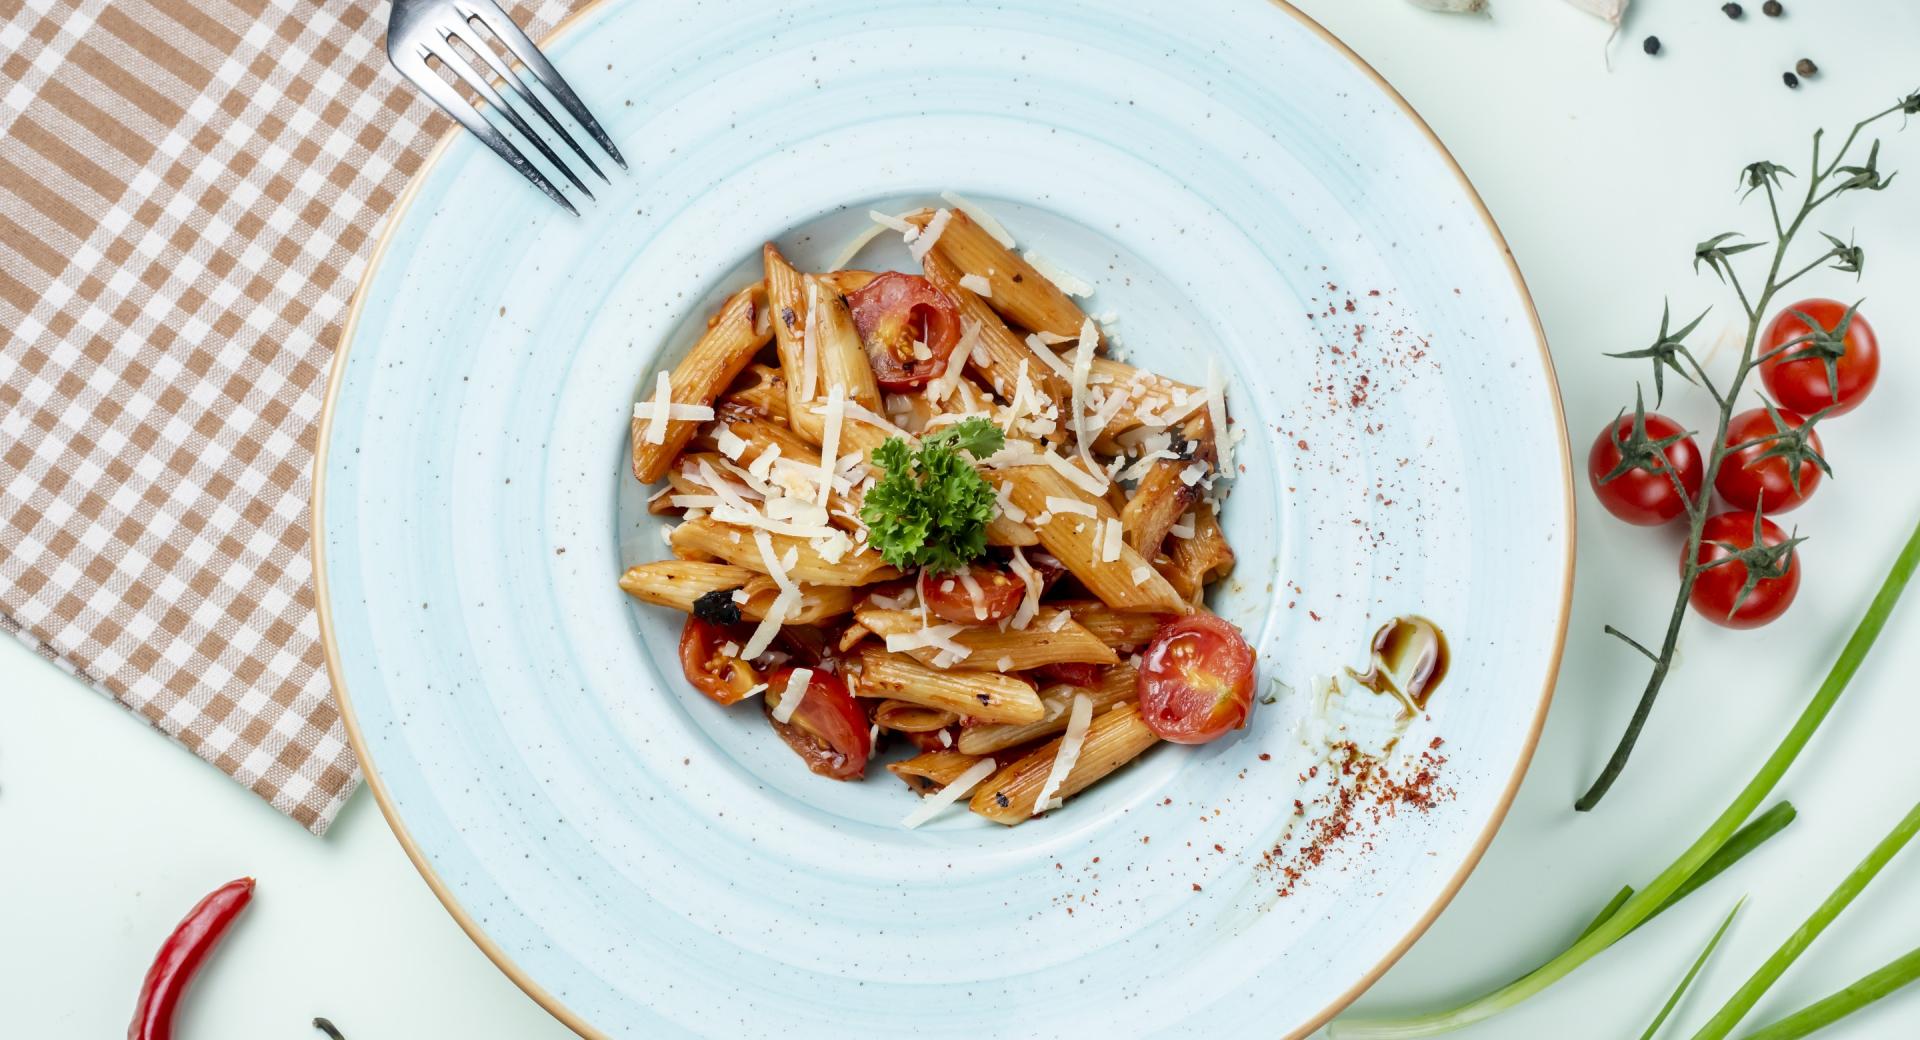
(181, 955)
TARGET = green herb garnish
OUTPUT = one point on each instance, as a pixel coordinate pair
(931, 506)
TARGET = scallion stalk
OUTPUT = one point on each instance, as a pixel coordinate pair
(1645, 902)
(1828, 1010)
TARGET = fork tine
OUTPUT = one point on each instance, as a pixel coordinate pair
(465, 71)
(523, 48)
(511, 78)
(455, 104)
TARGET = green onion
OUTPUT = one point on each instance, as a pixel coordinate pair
(1686, 981)
(1826, 1011)
(1642, 904)
(1749, 994)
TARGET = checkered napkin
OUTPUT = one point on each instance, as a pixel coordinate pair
(189, 190)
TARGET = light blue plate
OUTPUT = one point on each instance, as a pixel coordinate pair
(646, 864)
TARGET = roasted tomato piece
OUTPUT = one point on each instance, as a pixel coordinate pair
(828, 730)
(909, 328)
(952, 596)
(1078, 674)
(1196, 680)
(711, 669)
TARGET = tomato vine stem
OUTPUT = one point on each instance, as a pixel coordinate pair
(1718, 255)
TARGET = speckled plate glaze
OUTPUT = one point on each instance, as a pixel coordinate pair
(1239, 188)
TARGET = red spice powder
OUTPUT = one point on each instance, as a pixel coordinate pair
(1361, 793)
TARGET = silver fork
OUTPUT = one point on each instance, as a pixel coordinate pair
(421, 29)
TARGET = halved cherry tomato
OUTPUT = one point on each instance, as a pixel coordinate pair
(1196, 680)
(1750, 481)
(1081, 674)
(1797, 378)
(829, 729)
(720, 676)
(1644, 495)
(893, 312)
(1717, 589)
(1000, 594)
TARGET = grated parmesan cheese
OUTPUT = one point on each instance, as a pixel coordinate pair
(1044, 351)
(1058, 621)
(1056, 504)
(1141, 574)
(834, 412)
(778, 611)
(1078, 721)
(977, 285)
(946, 739)
(1082, 366)
(1110, 541)
(924, 242)
(1217, 413)
(1030, 602)
(987, 221)
(791, 697)
(660, 408)
(730, 443)
(931, 805)
(1059, 276)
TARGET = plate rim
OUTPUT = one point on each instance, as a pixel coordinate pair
(572, 1019)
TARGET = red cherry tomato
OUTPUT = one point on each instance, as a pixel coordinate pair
(1085, 676)
(1797, 378)
(1643, 495)
(892, 313)
(720, 676)
(1717, 588)
(1196, 680)
(1749, 482)
(829, 729)
(948, 598)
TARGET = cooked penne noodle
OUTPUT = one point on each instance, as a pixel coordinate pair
(1028, 298)
(1203, 558)
(760, 392)
(1006, 532)
(740, 546)
(908, 717)
(1164, 493)
(992, 650)
(817, 602)
(849, 281)
(786, 298)
(1119, 683)
(976, 695)
(735, 335)
(1124, 582)
(852, 637)
(1002, 352)
(1119, 629)
(677, 584)
(843, 358)
(932, 770)
(1149, 399)
(1116, 737)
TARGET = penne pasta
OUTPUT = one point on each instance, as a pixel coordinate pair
(1116, 737)
(843, 358)
(849, 281)
(908, 717)
(976, 695)
(992, 650)
(740, 546)
(760, 393)
(1193, 562)
(1164, 492)
(1118, 684)
(786, 299)
(734, 336)
(932, 770)
(678, 584)
(1002, 352)
(1026, 297)
(1116, 573)
(1116, 628)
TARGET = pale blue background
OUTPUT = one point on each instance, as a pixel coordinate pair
(1602, 183)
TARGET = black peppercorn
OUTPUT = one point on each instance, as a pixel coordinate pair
(1772, 9)
(1651, 45)
(1732, 10)
(1792, 81)
(1805, 67)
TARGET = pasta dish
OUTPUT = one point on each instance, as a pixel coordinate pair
(937, 509)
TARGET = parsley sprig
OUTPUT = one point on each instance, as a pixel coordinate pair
(930, 507)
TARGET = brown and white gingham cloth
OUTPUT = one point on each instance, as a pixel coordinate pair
(189, 190)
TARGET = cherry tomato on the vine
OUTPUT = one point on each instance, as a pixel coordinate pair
(1799, 378)
(1643, 492)
(894, 313)
(1196, 680)
(1717, 590)
(1762, 474)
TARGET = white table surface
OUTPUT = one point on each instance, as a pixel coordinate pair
(1603, 183)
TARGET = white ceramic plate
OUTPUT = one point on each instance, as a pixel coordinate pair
(646, 864)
